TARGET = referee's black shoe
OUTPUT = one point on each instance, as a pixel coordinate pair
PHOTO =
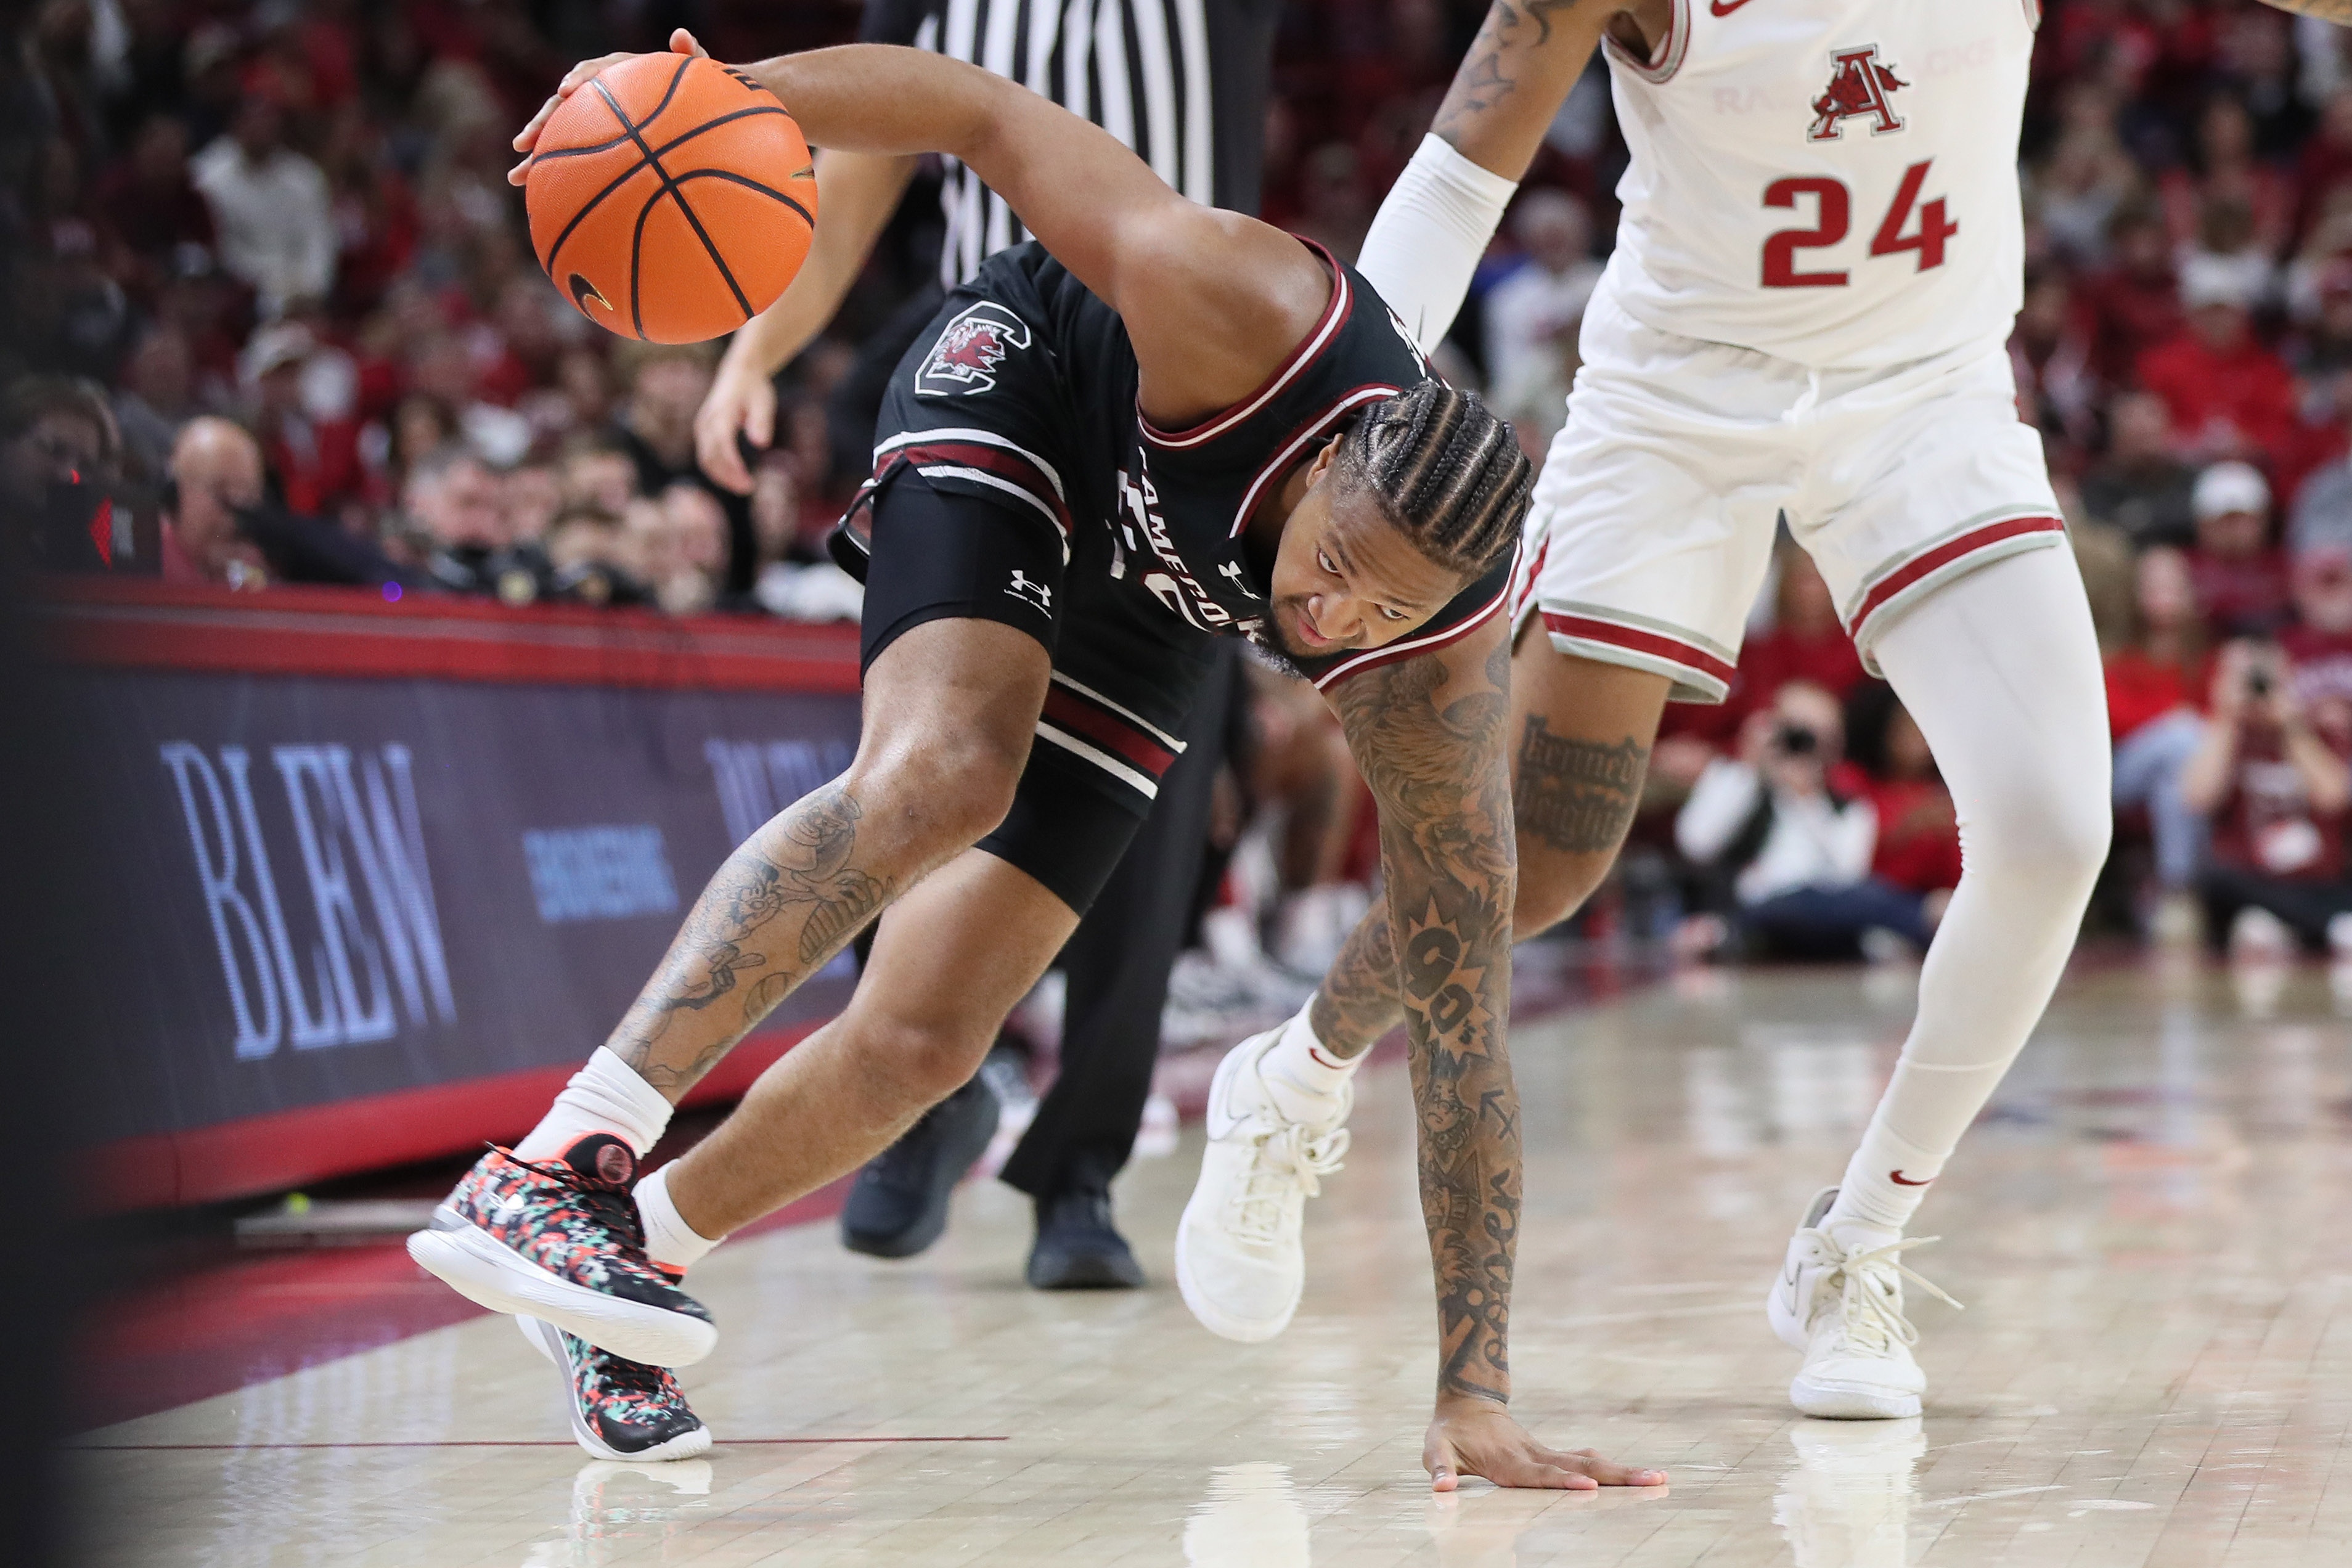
(899, 1205)
(1078, 1248)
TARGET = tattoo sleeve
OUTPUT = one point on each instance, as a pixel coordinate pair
(1579, 796)
(1356, 1002)
(1429, 734)
(789, 899)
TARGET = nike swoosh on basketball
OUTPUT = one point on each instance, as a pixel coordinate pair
(1897, 1177)
(1724, 7)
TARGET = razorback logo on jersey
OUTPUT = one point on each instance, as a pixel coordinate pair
(1858, 86)
(969, 349)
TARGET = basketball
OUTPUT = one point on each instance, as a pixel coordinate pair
(671, 199)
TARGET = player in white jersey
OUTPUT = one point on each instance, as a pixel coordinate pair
(1819, 262)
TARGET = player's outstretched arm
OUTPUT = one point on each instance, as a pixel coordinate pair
(1427, 237)
(1214, 302)
(1428, 733)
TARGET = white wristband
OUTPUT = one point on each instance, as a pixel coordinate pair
(1427, 237)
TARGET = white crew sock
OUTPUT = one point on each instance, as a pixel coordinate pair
(2001, 669)
(1889, 1176)
(1301, 1072)
(669, 1240)
(605, 1096)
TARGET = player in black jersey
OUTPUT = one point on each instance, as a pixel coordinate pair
(1160, 423)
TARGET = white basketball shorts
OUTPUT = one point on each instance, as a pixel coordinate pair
(1654, 518)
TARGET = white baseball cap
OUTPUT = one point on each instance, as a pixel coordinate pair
(2231, 486)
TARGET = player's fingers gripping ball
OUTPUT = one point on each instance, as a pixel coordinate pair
(671, 198)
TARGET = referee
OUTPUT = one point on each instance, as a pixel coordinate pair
(1184, 84)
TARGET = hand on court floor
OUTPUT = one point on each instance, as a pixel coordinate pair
(1478, 1437)
(681, 42)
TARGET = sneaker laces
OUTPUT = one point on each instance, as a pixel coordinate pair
(616, 1211)
(1874, 1323)
(1293, 1159)
(629, 1376)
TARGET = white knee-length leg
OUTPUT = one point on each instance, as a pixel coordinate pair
(2001, 672)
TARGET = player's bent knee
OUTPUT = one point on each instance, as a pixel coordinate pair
(925, 1061)
(955, 786)
(2052, 839)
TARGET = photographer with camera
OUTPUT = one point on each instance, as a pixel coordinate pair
(221, 526)
(1787, 854)
(2271, 776)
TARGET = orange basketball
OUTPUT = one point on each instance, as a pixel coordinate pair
(671, 198)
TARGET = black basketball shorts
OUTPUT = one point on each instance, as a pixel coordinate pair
(967, 519)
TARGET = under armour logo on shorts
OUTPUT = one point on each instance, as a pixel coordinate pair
(1031, 592)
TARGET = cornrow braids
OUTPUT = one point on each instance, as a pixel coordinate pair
(1446, 471)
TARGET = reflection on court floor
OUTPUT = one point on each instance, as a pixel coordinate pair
(2147, 1229)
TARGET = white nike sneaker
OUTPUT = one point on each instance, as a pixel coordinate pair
(1843, 1306)
(1238, 1257)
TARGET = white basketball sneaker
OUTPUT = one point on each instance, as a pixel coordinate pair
(1843, 1306)
(1238, 1257)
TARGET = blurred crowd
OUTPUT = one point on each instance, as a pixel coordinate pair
(268, 294)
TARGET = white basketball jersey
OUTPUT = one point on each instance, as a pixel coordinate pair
(1832, 182)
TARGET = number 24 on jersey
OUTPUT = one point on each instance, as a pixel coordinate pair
(1833, 218)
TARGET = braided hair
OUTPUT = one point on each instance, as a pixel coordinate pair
(1446, 469)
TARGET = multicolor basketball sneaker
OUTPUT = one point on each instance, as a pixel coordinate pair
(560, 1240)
(620, 1409)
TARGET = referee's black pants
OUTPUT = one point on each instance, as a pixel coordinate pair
(1115, 966)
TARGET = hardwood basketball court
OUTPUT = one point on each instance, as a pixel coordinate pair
(2149, 1229)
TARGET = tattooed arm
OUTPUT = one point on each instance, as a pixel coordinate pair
(1429, 734)
(1526, 57)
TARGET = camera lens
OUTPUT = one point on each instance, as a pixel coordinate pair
(1796, 740)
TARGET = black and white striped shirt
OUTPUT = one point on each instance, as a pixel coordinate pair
(1182, 82)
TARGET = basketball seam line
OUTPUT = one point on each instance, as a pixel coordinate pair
(731, 176)
(670, 186)
(639, 167)
(667, 93)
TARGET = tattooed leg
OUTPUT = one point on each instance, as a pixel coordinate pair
(949, 710)
(789, 899)
(949, 960)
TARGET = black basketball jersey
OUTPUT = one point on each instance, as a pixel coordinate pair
(1024, 393)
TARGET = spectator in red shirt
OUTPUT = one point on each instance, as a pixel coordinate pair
(2228, 169)
(2136, 303)
(1807, 642)
(2153, 682)
(2271, 774)
(2228, 395)
(1918, 848)
(317, 461)
(2240, 573)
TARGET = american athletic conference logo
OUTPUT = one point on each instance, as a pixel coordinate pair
(1859, 88)
(970, 348)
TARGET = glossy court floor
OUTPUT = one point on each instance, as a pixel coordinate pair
(2149, 1229)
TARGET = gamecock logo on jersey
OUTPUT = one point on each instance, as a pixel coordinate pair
(1859, 85)
(969, 349)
